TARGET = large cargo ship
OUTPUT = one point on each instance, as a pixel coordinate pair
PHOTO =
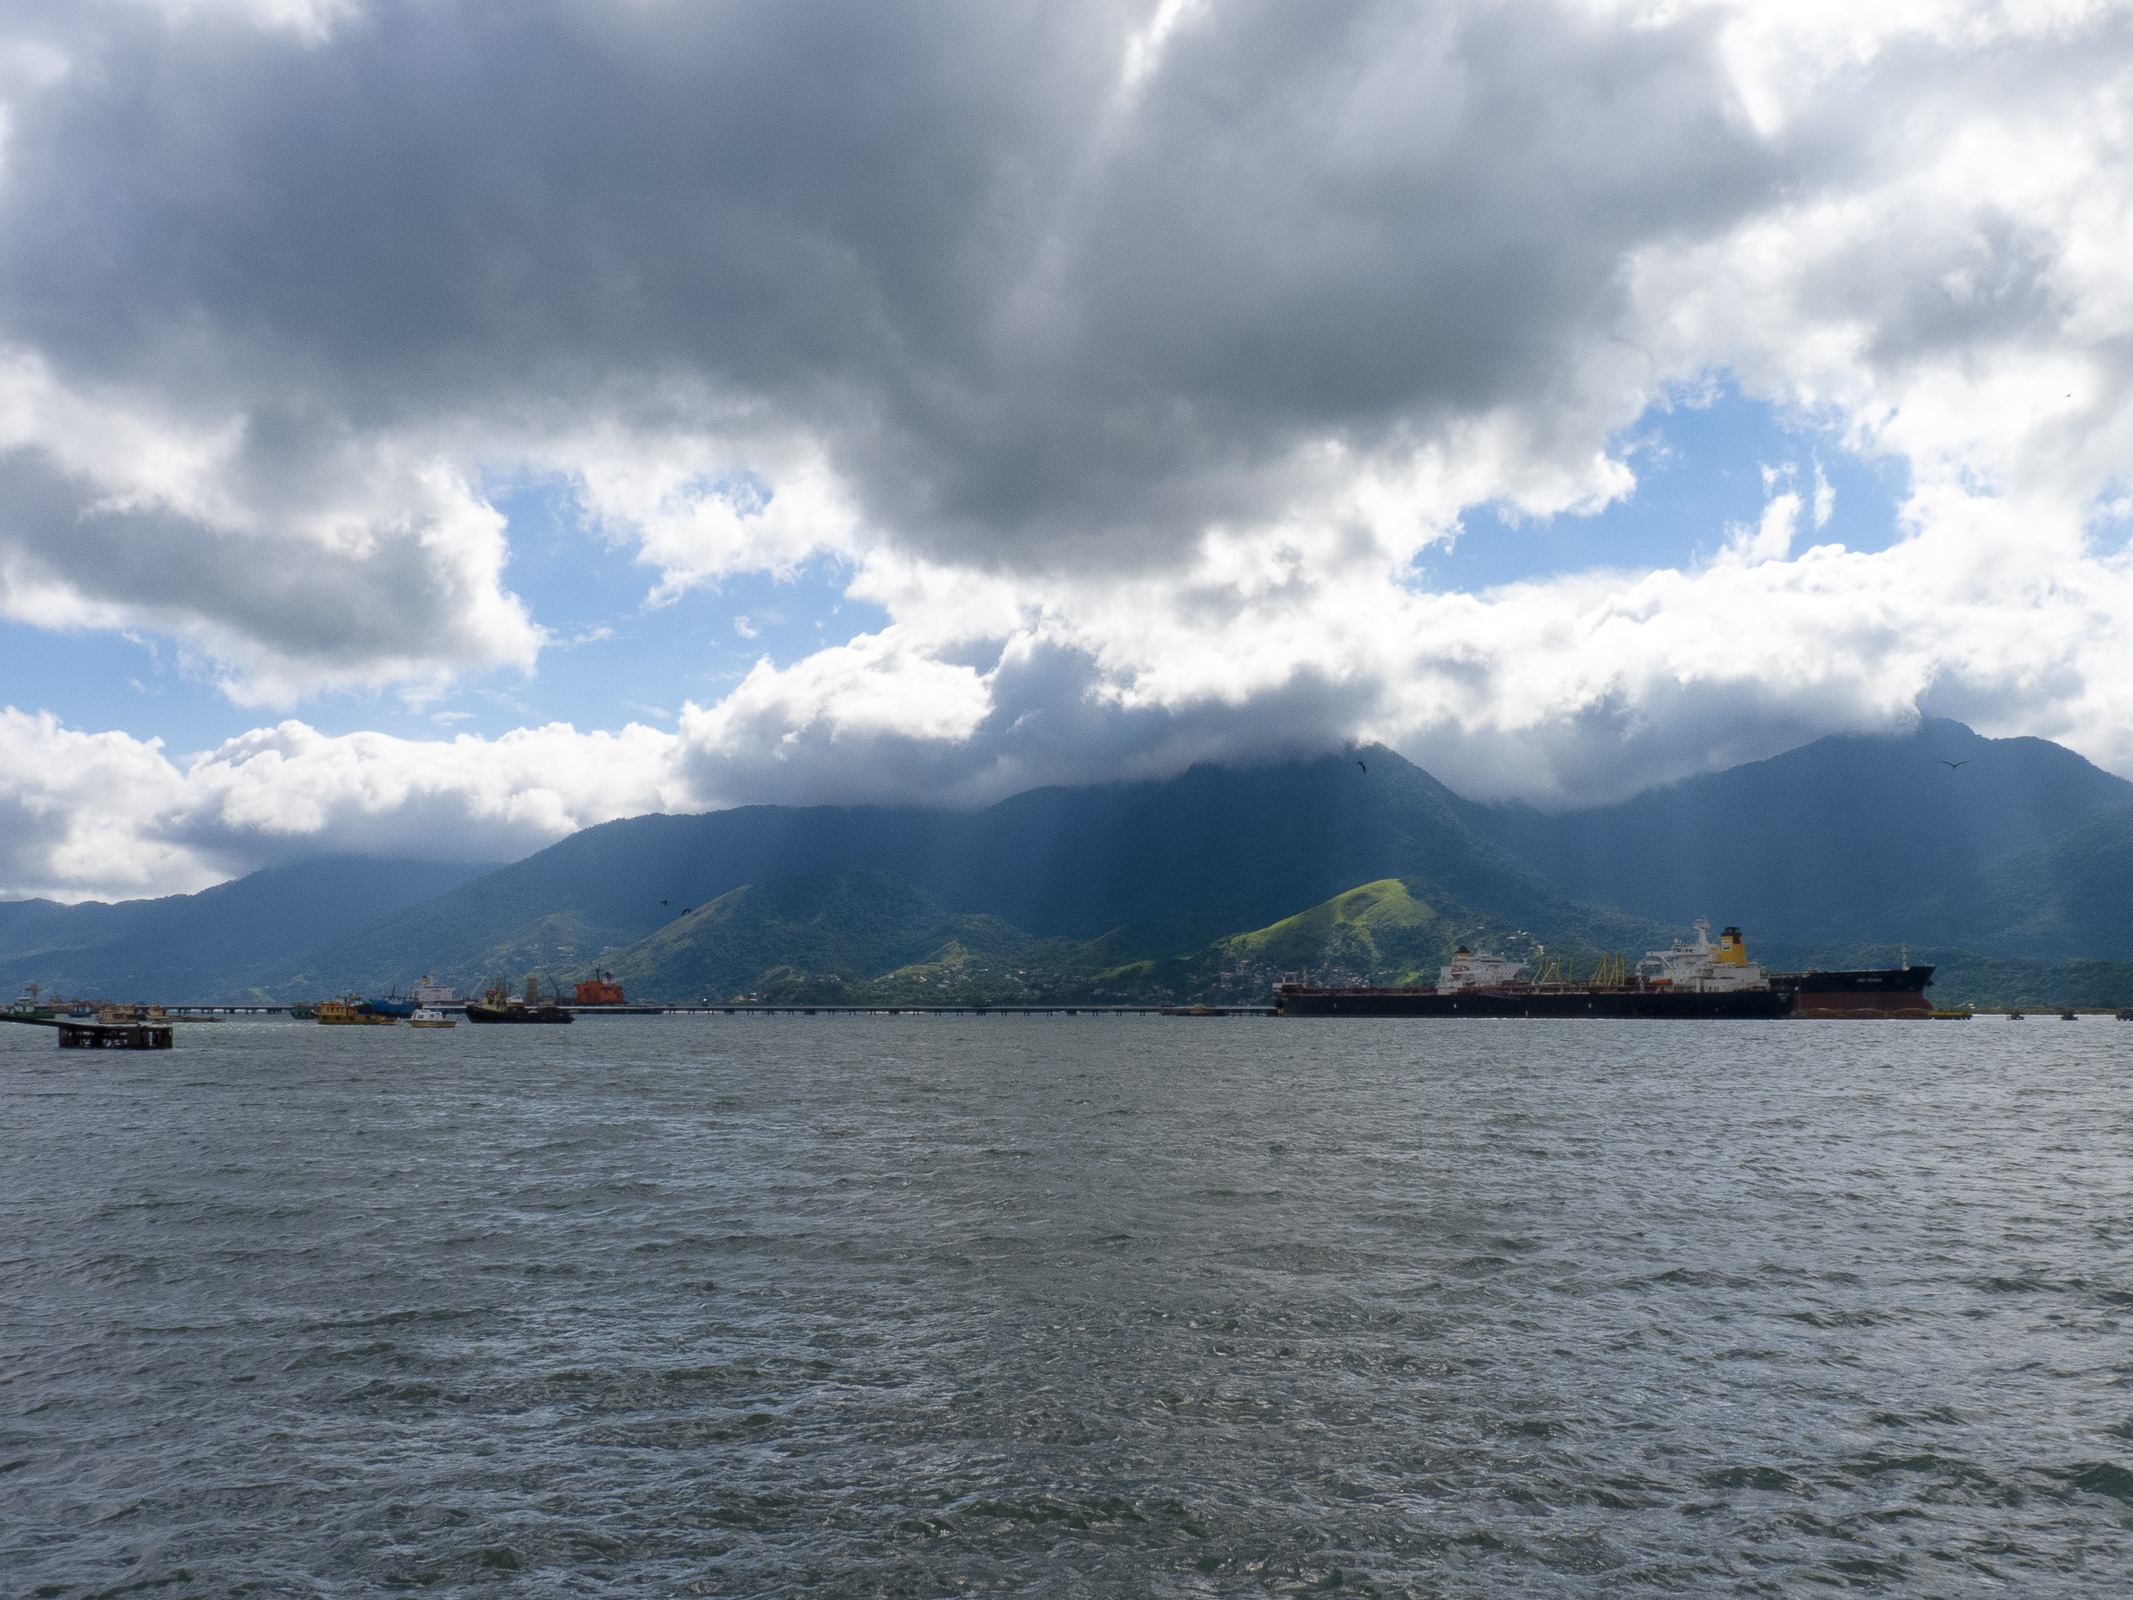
(1699, 980)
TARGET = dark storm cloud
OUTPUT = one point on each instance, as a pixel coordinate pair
(149, 565)
(1022, 303)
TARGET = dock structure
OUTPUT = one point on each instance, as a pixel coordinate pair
(104, 1035)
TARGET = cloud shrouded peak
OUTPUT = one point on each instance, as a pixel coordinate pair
(1128, 356)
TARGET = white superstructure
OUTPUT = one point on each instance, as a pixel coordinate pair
(1471, 971)
(1704, 967)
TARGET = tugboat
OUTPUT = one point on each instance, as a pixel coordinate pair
(498, 1006)
(353, 1011)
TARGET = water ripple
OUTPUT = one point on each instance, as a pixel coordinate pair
(1071, 1306)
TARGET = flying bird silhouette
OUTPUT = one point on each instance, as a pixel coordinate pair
(1366, 769)
(1952, 765)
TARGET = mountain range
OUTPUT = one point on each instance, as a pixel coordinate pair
(2012, 846)
(2007, 856)
(209, 944)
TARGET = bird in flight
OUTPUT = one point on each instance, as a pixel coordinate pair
(1952, 765)
(1366, 769)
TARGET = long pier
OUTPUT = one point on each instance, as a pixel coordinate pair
(202, 1013)
(766, 1009)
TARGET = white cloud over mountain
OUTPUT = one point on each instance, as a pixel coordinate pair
(1131, 354)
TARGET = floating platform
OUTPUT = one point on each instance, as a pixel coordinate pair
(104, 1035)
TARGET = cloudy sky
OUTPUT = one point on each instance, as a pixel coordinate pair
(430, 426)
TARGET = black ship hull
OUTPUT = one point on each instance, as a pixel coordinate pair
(1892, 991)
(517, 1014)
(1873, 991)
(1738, 1005)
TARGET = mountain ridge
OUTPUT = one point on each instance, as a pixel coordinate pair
(181, 947)
(2008, 849)
(1159, 869)
(1858, 837)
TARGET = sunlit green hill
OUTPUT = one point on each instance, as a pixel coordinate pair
(1379, 929)
(1385, 932)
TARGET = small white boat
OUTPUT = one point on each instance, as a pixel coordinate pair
(431, 1017)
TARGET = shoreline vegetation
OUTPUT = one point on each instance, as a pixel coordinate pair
(867, 938)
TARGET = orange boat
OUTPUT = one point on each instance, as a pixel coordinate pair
(600, 990)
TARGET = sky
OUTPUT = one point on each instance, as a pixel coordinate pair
(428, 427)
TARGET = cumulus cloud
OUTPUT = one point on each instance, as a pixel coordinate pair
(1563, 692)
(1128, 354)
(922, 270)
(107, 815)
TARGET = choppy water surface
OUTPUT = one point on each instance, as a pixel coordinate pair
(1075, 1305)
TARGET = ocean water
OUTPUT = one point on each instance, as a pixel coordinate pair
(1075, 1305)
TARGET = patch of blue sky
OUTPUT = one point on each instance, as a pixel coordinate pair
(95, 681)
(615, 658)
(1701, 469)
(2110, 526)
